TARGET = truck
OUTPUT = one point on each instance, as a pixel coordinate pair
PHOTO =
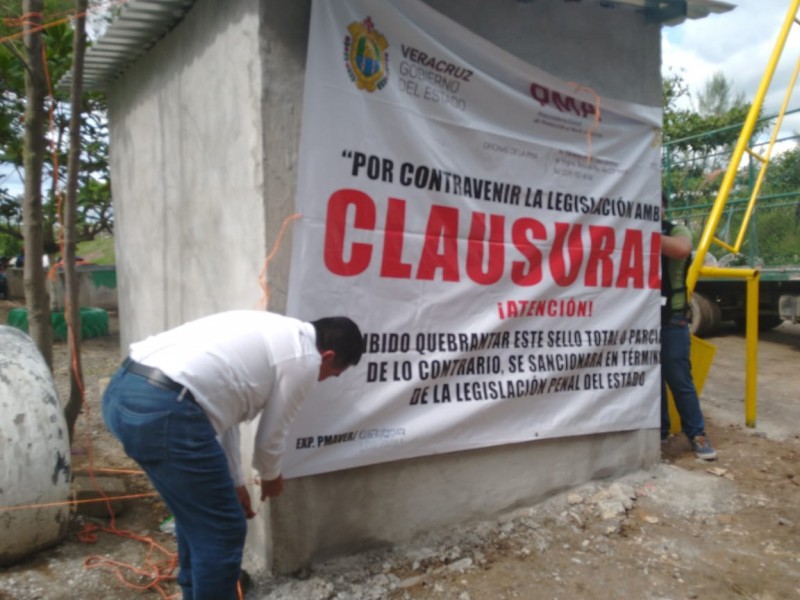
(715, 301)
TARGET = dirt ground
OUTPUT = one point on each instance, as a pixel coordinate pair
(684, 529)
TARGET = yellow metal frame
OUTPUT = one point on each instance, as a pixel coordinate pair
(751, 276)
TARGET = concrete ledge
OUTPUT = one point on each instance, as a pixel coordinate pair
(349, 511)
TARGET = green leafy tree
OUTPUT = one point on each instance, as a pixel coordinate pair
(700, 135)
(94, 210)
(716, 122)
(698, 142)
(25, 148)
(783, 175)
(778, 213)
(717, 98)
(12, 107)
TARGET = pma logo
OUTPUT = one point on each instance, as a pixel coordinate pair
(365, 56)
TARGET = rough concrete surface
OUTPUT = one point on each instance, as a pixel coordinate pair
(685, 529)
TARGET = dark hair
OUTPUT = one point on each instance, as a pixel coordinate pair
(341, 335)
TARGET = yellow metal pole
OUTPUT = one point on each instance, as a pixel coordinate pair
(728, 272)
(752, 351)
(741, 144)
(765, 159)
(751, 333)
(708, 235)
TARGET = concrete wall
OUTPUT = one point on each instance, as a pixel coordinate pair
(204, 138)
(614, 51)
(97, 287)
(187, 165)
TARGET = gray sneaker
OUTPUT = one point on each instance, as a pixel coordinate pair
(702, 448)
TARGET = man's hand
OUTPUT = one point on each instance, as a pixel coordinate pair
(244, 500)
(271, 488)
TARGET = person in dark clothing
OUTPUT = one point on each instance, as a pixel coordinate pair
(676, 366)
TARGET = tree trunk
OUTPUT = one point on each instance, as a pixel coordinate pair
(72, 307)
(35, 284)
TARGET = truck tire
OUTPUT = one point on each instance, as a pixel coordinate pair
(706, 316)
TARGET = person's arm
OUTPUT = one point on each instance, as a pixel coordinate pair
(676, 246)
(230, 441)
(294, 380)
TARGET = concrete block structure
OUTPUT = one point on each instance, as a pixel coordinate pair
(205, 115)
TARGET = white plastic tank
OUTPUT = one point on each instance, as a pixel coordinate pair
(34, 451)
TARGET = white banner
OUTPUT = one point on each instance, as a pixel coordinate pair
(493, 230)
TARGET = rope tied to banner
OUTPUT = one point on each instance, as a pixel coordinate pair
(263, 281)
(596, 121)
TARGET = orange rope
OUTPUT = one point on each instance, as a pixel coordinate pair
(262, 278)
(23, 20)
(107, 499)
(154, 573)
(596, 123)
(119, 471)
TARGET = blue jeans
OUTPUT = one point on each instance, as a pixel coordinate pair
(676, 372)
(173, 441)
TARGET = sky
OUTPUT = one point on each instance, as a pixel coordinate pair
(738, 43)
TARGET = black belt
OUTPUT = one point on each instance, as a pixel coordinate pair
(156, 377)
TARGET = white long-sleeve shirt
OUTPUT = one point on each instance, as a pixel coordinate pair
(237, 365)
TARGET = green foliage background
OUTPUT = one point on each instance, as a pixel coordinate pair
(95, 211)
(696, 154)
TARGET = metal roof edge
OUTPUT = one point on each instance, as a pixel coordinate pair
(142, 23)
(699, 9)
(138, 27)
